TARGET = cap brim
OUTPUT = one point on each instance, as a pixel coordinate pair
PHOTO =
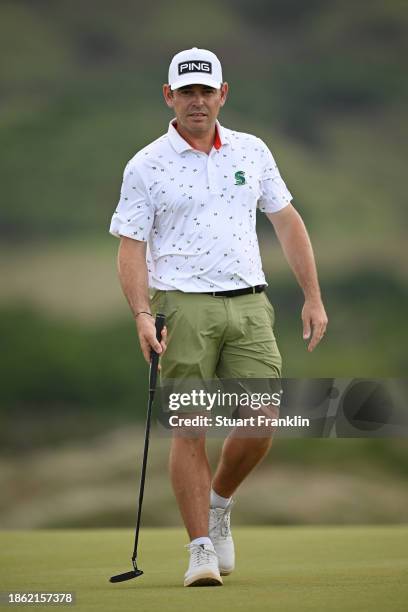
(195, 79)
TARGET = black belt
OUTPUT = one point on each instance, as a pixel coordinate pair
(236, 292)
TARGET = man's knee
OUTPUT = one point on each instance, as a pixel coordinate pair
(258, 444)
(187, 443)
(249, 448)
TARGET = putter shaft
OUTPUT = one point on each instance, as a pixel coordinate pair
(154, 363)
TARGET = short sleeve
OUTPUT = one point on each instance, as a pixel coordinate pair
(274, 193)
(134, 214)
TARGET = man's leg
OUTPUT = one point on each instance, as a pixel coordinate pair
(195, 324)
(191, 479)
(238, 458)
(249, 352)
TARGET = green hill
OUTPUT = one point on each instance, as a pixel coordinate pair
(323, 84)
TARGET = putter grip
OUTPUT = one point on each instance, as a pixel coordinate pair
(154, 360)
(159, 323)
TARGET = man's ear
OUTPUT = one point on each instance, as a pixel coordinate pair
(224, 93)
(168, 95)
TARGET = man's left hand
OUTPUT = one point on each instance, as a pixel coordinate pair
(315, 321)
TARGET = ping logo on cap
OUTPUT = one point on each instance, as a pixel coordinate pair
(185, 67)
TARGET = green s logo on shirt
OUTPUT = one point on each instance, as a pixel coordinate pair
(240, 177)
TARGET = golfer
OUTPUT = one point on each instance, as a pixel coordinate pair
(186, 223)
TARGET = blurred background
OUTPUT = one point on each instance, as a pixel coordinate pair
(324, 84)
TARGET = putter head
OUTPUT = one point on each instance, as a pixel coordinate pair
(126, 576)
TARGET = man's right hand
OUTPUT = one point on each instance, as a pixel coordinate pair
(147, 336)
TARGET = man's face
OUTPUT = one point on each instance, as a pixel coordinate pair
(196, 106)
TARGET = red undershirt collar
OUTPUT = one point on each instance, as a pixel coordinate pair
(217, 139)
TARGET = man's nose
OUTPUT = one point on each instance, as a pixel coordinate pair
(198, 98)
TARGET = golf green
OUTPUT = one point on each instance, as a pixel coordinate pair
(288, 569)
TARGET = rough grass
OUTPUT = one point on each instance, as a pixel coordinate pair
(94, 483)
(292, 569)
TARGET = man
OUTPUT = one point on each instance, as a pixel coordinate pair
(192, 195)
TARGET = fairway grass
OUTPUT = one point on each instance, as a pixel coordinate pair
(286, 569)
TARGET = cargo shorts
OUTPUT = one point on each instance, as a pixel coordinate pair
(211, 337)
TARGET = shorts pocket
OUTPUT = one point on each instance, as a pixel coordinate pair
(162, 302)
(269, 309)
(157, 301)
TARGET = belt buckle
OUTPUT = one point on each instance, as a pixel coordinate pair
(214, 294)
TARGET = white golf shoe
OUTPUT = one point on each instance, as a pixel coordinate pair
(220, 534)
(203, 567)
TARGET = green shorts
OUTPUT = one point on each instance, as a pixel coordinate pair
(215, 337)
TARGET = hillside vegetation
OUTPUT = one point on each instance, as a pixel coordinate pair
(323, 83)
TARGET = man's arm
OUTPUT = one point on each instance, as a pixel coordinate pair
(296, 245)
(133, 277)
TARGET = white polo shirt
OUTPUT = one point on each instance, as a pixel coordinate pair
(198, 212)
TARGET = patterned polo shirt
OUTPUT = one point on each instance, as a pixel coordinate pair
(198, 212)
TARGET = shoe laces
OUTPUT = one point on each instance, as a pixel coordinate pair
(200, 554)
(222, 521)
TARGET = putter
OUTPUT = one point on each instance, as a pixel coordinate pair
(154, 363)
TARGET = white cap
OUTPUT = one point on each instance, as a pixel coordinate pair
(195, 66)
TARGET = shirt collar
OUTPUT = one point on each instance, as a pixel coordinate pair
(180, 145)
